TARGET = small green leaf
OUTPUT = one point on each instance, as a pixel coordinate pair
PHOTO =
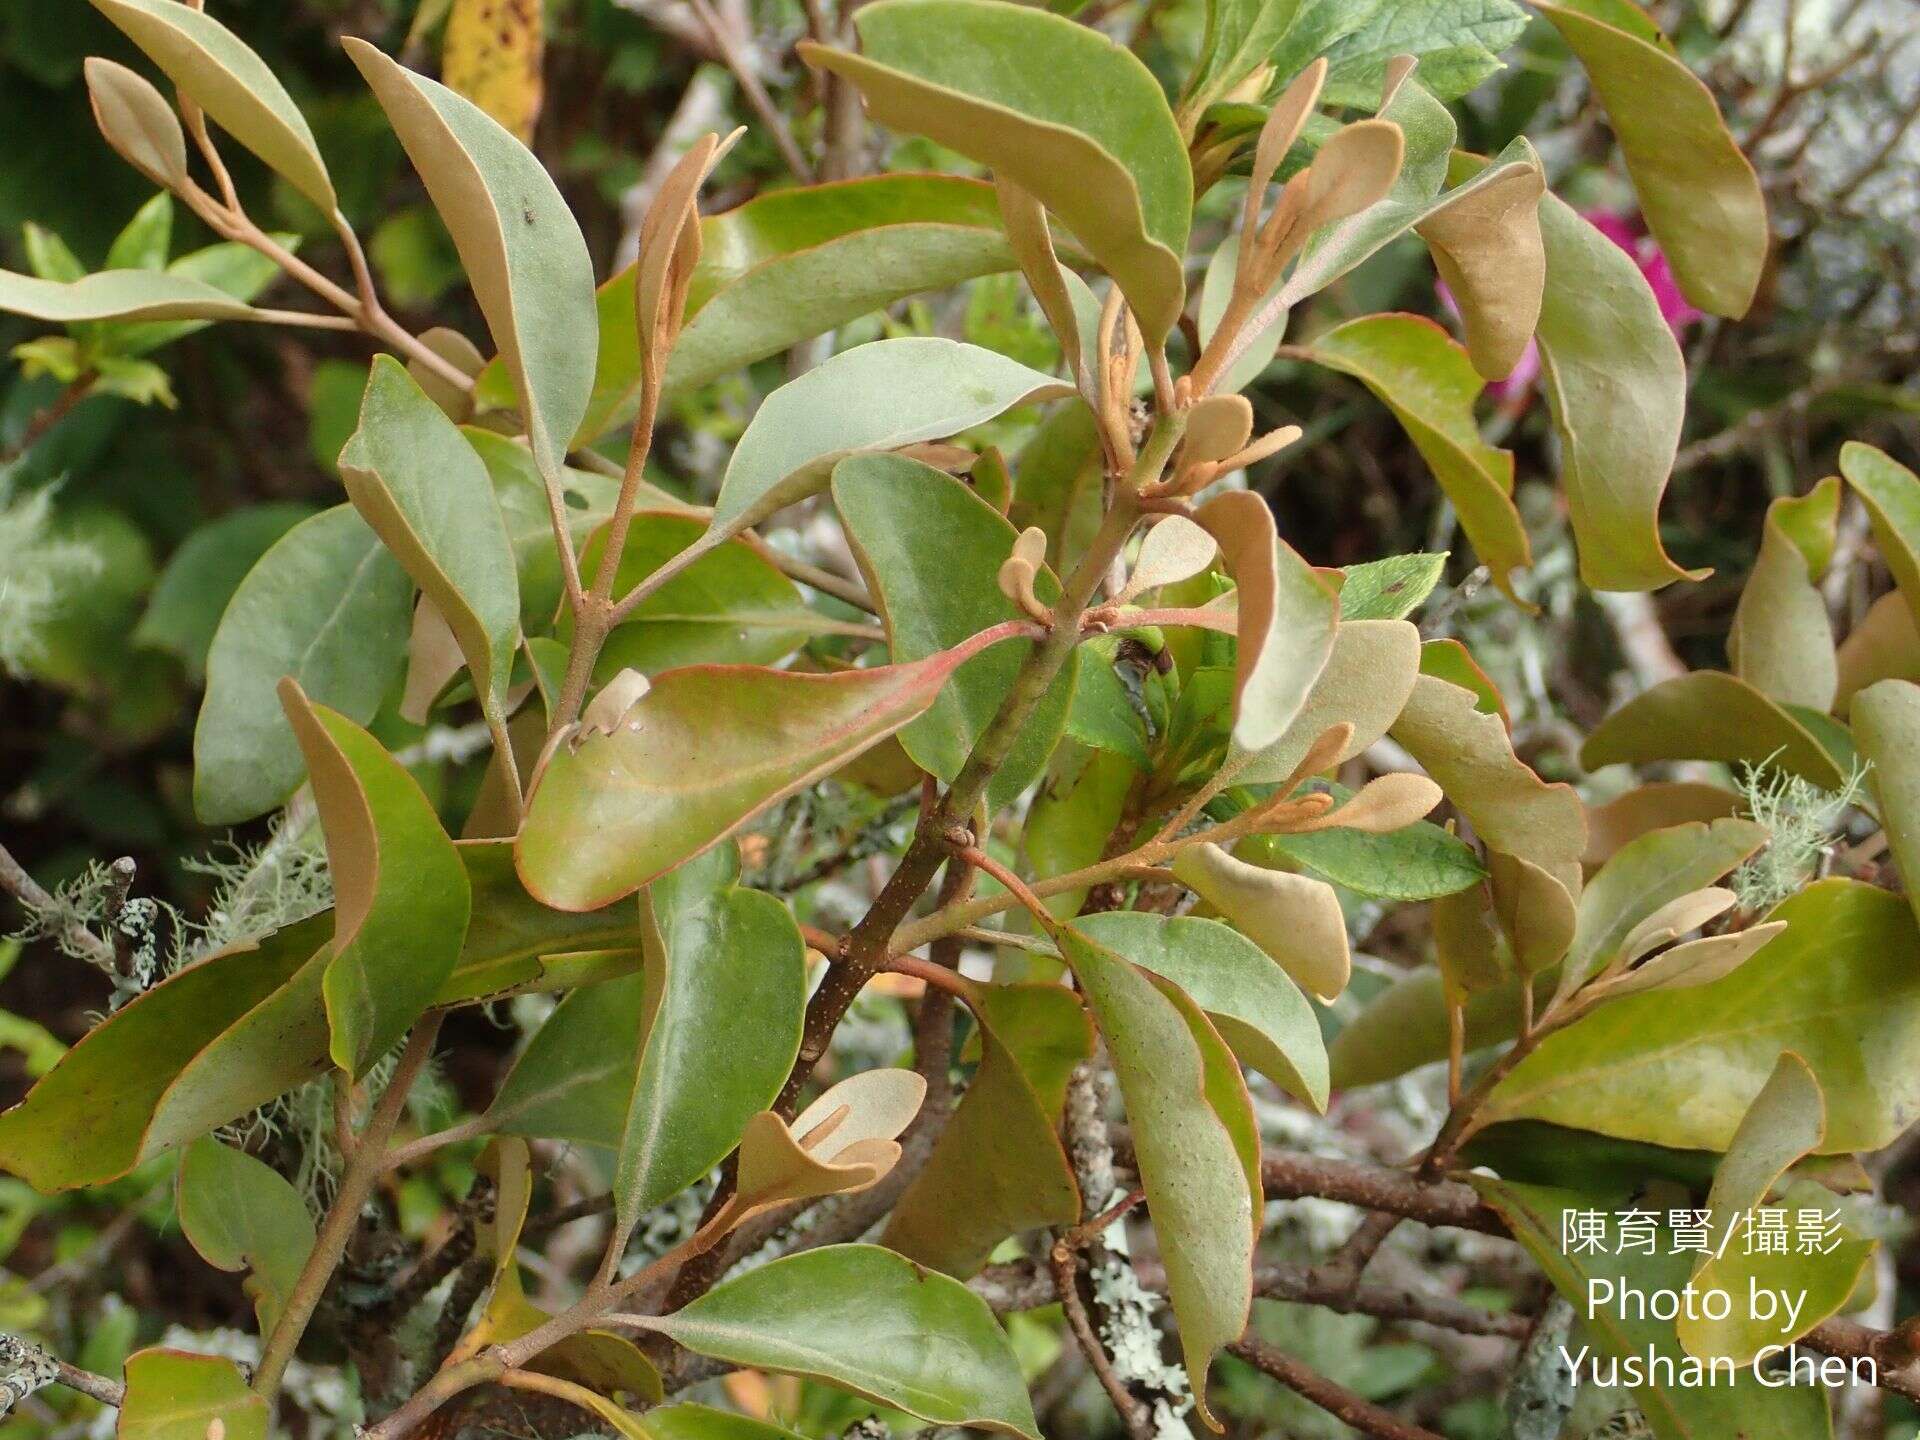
(1886, 721)
(172, 1395)
(1891, 493)
(1457, 43)
(1412, 365)
(193, 590)
(1838, 988)
(327, 605)
(705, 750)
(998, 1168)
(1193, 1174)
(931, 550)
(215, 69)
(136, 120)
(1073, 814)
(1617, 385)
(523, 253)
(1390, 589)
(869, 1321)
(1104, 154)
(1710, 716)
(1782, 642)
(428, 497)
(240, 1214)
(1257, 1009)
(1240, 35)
(1697, 190)
(1418, 862)
(878, 396)
(402, 899)
(144, 241)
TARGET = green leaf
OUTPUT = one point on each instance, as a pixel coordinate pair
(1240, 35)
(184, 609)
(172, 1395)
(428, 497)
(1413, 366)
(136, 120)
(1389, 589)
(1645, 874)
(792, 264)
(1838, 988)
(1617, 386)
(65, 1134)
(1786, 1121)
(1192, 1172)
(702, 1422)
(143, 242)
(1072, 815)
(235, 270)
(523, 253)
(1457, 43)
(1537, 1215)
(630, 1064)
(215, 69)
(1419, 862)
(931, 551)
(240, 1214)
(1257, 1009)
(522, 498)
(1782, 641)
(402, 900)
(878, 396)
(1891, 493)
(1886, 721)
(1104, 154)
(705, 749)
(730, 605)
(1103, 715)
(998, 1169)
(1286, 617)
(327, 605)
(866, 1320)
(1512, 809)
(1710, 716)
(1697, 190)
(118, 295)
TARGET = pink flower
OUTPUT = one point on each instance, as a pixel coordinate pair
(1646, 253)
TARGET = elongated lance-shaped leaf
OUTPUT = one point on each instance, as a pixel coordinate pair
(523, 253)
(328, 605)
(698, 756)
(426, 494)
(1189, 1165)
(1891, 493)
(1886, 721)
(118, 295)
(1104, 154)
(1782, 642)
(872, 1322)
(1697, 190)
(241, 1214)
(1617, 386)
(878, 396)
(998, 1167)
(1413, 366)
(216, 70)
(402, 899)
(1285, 622)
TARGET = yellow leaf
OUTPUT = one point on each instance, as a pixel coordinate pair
(492, 55)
